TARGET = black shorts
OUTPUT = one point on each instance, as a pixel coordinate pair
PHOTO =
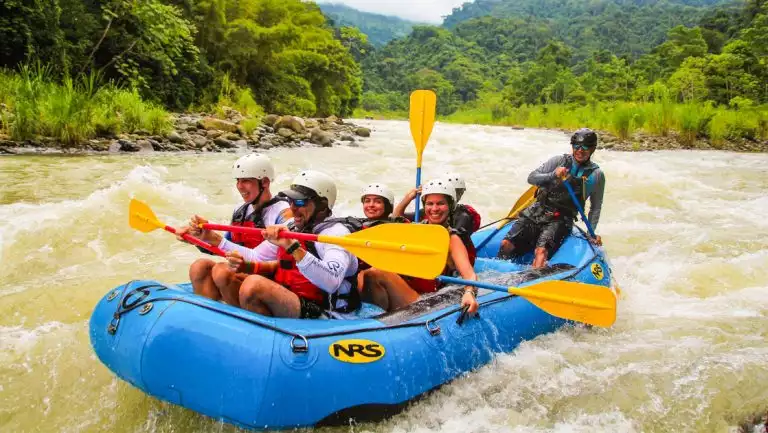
(310, 309)
(543, 232)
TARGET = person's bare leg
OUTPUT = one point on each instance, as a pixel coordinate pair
(505, 251)
(200, 274)
(264, 296)
(372, 291)
(228, 283)
(540, 259)
(389, 290)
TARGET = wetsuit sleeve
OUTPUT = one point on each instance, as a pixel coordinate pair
(545, 174)
(596, 199)
(264, 252)
(334, 264)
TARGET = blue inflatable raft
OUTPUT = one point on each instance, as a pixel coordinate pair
(266, 373)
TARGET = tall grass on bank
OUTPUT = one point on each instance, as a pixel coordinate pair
(690, 121)
(73, 110)
(224, 94)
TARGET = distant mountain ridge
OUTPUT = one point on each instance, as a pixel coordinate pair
(624, 27)
(560, 8)
(380, 29)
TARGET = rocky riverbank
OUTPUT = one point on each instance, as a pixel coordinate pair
(640, 141)
(203, 133)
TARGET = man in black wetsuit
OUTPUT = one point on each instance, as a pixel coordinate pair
(545, 224)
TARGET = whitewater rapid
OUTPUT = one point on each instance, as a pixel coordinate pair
(687, 233)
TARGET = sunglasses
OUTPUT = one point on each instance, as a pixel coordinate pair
(299, 202)
(581, 146)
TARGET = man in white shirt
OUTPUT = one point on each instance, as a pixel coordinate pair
(300, 279)
(253, 173)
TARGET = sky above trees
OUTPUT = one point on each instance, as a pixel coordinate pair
(430, 11)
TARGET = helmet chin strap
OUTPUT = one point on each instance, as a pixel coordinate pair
(258, 197)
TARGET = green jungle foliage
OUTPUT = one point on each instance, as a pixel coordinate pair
(380, 29)
(526, 62)
(176, 52)
(623, 27)
(693, 66)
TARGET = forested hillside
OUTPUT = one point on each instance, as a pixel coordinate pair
(526, 60)
(88, 63)
(380, 29)
(182, 53)
(623, 27)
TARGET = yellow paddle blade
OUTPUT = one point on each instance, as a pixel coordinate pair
(141, 217)
(525, 200)
(417, 250)
(422, 119)
(580, 302)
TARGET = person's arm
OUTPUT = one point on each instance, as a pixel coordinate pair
(545, 174)
(596, 200)
(460, 259)
(329, 270)
(407, 199)
(264, 252)
(237, 265)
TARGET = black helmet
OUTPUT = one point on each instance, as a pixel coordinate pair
(584, 136)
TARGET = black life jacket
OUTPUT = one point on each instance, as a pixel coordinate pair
(556, 197)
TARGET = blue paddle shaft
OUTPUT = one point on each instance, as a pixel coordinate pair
(418, 195)
(578, 206)
(461, 281)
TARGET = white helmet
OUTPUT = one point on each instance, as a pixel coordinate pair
(255, 166)
(439, 186)
(455, 180)
(380, 190)
(310, 183)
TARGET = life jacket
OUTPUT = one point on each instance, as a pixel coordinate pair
(242, 218)
(470, 213)
(289, 276)
(557, 199)
(422, 285)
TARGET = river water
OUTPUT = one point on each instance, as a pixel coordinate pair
(687, 233)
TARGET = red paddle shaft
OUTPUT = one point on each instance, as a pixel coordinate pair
(238, 229)
(195, 241)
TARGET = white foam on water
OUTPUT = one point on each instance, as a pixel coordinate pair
(19, 339)
(686, 231)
